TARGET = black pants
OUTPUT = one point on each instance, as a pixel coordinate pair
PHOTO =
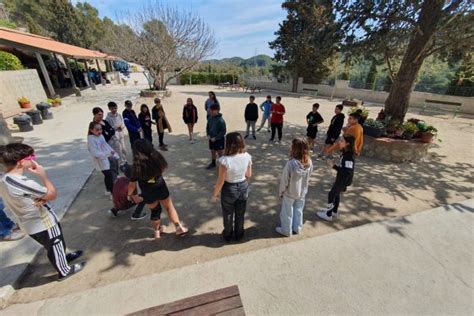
(53, 241)
(147, 134)
(234, 203)
(334, 198)
(133, 137)
(108, 180)
(278, 127)
(160, 138)
(114, 168)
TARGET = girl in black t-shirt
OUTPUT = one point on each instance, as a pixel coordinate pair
(148, 167)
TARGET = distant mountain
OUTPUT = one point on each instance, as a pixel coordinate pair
(260, 60)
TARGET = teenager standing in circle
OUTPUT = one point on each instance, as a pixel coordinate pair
(235, 169)
(277, 111)
(190, 117)
(147, 171)
(158, 114)
(145, 121)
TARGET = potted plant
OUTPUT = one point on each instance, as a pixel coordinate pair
(427, 132)
(24, 102)
(364, 113)
(374, 128)
(409, 129)
(55, 102)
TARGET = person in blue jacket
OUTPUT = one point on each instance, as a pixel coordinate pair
(266, 107)
(131, 122)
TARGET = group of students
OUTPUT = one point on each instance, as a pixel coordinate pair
(143, 184)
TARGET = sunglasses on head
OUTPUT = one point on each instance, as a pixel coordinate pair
(30, 157)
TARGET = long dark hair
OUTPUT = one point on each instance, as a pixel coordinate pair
(147, 161)
(350, 140)
(144, 106)
(214, 96)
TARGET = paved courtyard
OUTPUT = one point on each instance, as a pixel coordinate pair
(118, 249)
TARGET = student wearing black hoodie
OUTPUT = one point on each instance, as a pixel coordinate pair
(251, 116)
(345, 173)
(334, 130)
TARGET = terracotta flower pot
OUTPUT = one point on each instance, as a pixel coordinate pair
(25, 105)
(426, 137)
(56, 104)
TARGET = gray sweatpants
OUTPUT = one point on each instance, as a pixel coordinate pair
(251, 124)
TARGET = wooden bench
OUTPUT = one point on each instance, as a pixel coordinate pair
(312, 92)
(223, 302)
(439, 107)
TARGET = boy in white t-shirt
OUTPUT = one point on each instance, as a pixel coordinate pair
(28, 201)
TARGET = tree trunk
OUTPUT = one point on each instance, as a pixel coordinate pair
(396, 105)
(294, 87)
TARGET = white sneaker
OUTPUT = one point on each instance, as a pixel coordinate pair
(280, 231)
(324, 215)
(191, 141)
(328, 208)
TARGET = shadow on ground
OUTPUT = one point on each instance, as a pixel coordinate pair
(118, 249)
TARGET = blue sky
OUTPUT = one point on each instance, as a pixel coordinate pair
(240, 26)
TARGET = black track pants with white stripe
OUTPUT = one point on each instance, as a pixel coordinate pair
(53, 241)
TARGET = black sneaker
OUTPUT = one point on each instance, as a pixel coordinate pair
(74, 255)
(246, 136)
(163, 148)
(258, 129)
(211, 165)
(254, 137)
(268, 130)
(74, 269)
(138, 216)
(113, 212)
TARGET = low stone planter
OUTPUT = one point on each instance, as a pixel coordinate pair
(394, 150)
(155, 93)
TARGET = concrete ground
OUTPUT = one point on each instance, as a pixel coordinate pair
(118, 249)
(61, 147)
(420, 264)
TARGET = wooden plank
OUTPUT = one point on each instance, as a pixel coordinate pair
(190, 302)
(233, 312)
(212, 308)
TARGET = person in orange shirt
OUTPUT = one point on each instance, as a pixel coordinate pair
(354, 129)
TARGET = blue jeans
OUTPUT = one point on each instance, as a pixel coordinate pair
(6, 224)
(291, 215)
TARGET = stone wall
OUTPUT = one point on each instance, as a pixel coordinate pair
(394, 150)
(17, 83)
(343, 91)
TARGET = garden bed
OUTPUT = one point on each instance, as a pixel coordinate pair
(155, 93)
(394, 150)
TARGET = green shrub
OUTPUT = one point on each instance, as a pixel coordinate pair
(7, 24)
(205, 78)
(9, 62)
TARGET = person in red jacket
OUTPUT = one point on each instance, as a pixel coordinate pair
(277, 111)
